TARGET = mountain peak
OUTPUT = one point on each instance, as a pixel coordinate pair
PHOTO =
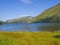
(58, 4)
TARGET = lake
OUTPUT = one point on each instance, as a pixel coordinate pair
(30, 27)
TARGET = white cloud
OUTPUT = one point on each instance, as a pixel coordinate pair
(26, 1)
(23, 15)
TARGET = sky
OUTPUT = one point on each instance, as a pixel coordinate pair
(10, 9)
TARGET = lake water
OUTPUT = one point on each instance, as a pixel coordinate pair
(30, 27)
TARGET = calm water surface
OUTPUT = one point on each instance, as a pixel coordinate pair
(30, 27)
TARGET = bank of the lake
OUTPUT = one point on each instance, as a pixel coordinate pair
(29, 38)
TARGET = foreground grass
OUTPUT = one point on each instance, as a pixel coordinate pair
(29, 38)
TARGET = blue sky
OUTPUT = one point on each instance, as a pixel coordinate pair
(10, 9)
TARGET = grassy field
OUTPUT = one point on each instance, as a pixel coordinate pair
(29, 38)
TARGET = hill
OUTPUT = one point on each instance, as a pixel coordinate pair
(25, 19)
(48, 16)
(1, 22)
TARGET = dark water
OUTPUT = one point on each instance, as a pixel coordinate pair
(30, 27)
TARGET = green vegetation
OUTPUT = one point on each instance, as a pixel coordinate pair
(1, 22)
(29, 38)
(50, 15)
(20, 20)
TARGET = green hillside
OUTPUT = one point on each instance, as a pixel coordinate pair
(25, 19)
(1, 22)
(50, 15)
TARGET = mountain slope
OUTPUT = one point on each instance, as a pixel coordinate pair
(50, 15)
(25, 19)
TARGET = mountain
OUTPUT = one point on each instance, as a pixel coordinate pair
(48, 16)
(25, 19)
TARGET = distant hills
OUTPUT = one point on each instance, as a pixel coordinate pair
(48, 16)
(25, 19)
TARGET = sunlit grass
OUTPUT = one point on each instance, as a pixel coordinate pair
(29, 38)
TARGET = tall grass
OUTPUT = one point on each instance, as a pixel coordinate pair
(29, 38)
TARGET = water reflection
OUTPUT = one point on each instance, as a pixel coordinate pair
(50, 27)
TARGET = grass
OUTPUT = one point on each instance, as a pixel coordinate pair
(29, 38)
